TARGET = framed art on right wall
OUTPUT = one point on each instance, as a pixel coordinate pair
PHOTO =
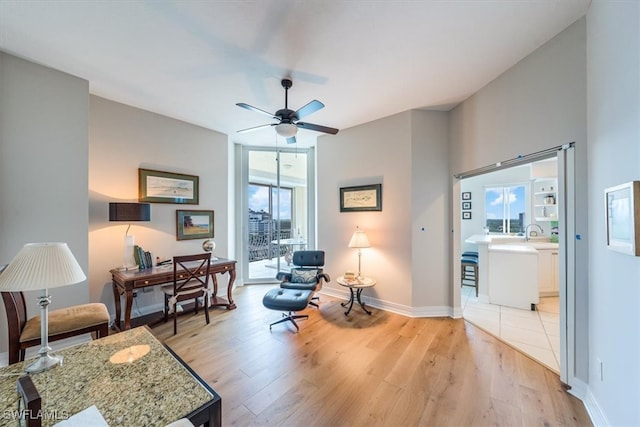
(622, 204)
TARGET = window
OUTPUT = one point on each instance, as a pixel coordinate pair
(505, 208)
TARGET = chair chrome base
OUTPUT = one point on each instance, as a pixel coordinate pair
(291, 318)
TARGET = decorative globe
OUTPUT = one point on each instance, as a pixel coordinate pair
(208, 245)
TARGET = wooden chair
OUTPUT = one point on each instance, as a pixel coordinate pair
(63, 323)
(190, 281)
(30, 403)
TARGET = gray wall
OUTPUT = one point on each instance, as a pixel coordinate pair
(538, 104)
(405, 154)
(123, 139)
(43, 168)
(373, 153)
(431, 217)
(613, 70)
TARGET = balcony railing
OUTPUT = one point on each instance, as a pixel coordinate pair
(260, 246)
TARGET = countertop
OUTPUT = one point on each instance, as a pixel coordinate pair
(155, 389)
(517, 248)
(491, 238)
(512, 243)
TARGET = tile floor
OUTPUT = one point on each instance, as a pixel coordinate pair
(535, 333)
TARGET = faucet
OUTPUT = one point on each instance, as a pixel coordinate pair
(527, 236)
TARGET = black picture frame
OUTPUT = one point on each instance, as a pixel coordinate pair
(466, 195)
(167, 187)
(466, 215)
(361, 198)
(466, 206)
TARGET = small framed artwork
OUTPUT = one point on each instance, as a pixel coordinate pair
(466, 195)
(466, 215)
(466, 206)
(622, 204)
(194, 225)
(167, 187)
(361, 198)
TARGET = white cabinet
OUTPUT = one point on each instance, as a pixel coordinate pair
(513, 276)
(548, 272)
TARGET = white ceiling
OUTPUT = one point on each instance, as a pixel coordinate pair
(194, 60)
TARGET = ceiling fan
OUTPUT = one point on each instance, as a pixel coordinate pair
(288, 123)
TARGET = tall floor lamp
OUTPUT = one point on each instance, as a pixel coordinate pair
(41, 266)
(359, 240)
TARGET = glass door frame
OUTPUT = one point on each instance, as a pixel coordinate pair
(242, 234)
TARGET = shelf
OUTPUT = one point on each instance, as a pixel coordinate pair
(544, 193)
(546, 218)
(546, 205)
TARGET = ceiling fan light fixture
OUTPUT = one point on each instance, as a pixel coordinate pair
(286, 130)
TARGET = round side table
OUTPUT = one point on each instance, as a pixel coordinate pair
(355, 288)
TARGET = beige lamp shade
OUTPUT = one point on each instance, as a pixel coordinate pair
(359, 240)
(40, 266)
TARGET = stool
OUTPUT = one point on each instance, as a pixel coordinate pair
(289, 300)
(469, 271)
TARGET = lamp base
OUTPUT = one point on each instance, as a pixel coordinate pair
(44, 363)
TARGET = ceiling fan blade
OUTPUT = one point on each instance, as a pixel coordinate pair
(256, 109)
(318, 128)
(311, 107)
(256, 128)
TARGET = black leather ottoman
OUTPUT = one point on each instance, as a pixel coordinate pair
(289, 300)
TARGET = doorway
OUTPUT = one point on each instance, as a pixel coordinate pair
(277, 210)
(547, 213)
(510, 203)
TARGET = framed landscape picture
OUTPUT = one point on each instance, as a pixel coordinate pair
(167, 187)
(361, 198)
(194, 225)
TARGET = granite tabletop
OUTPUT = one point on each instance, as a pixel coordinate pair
(130, 377)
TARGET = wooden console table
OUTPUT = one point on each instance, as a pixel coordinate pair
(125, 282)
(130, 377)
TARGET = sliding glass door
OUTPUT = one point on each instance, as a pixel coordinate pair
(277, 210)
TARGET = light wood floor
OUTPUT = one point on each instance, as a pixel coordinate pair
(379, 370)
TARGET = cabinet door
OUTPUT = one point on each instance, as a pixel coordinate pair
(545, 278)
(555, 273)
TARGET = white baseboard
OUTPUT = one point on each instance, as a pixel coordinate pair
(578, 388)
(404, 310)
(597, 415)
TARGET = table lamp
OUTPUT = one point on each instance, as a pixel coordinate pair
(359, 240)
(41, 266)
(129, 212)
